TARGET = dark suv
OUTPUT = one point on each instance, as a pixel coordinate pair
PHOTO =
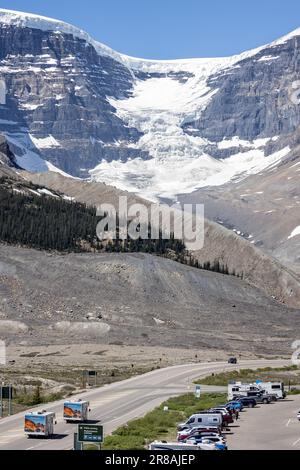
(232, 360)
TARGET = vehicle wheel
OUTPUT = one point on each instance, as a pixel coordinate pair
(265, 401)
(251, 405)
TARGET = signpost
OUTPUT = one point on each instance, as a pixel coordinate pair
(92, 373)
(90, 433)
(6, 393)
(197, 391)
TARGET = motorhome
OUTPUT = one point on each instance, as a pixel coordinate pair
(39, 424)
(202, 419)
(76, 410)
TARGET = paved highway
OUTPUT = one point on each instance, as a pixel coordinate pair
(116, 404)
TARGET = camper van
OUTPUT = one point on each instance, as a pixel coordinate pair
(76, 411)
(202, 419)
(39, 424)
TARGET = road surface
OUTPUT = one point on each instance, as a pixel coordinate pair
(118, 403)
(268, 427)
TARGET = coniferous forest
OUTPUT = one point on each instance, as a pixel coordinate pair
(40, 221)
(52, 223)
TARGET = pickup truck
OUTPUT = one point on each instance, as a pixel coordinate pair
(260, 397)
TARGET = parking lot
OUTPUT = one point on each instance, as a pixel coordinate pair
(260, 416)
(267, 427)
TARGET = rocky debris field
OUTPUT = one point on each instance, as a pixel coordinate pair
(135, 300)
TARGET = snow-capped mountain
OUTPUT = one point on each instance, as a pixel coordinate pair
(159, 128)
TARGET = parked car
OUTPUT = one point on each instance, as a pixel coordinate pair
(205, 419)
(212, 434)
(183, 446)
(184, 434)
(226, 415)
(247, 402)
(260, 397)
(234, 405)
(219, 443)
(232, 360)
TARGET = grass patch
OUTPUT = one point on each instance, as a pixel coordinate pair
(36, 398)
(281, 374)
(294, 391)
(160, 424)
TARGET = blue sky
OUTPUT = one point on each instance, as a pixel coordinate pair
(172, 29)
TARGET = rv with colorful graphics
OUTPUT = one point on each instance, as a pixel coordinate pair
(76, 411)
(39, 424)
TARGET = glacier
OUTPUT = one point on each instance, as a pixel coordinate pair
(166, 99)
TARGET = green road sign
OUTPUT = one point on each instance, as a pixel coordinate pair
(90, 433)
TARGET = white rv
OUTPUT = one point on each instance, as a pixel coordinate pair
(240, 389)
(76, 410)
(39, 424)
(158, 445)
(274, 388)
(202, 419)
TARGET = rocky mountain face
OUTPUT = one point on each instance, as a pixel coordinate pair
(68, 101)
(8, 165)
(254, 99)
(54, 100)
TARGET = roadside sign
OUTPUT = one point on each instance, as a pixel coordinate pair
(90, 433)
(92, 373)
(6, 392)
(197, 391)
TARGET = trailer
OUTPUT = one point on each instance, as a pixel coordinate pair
(39, 424)
(76, 411)
(239, 389)
(273, 388)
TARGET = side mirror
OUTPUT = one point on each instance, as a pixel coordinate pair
(90, 409)
(55, 422)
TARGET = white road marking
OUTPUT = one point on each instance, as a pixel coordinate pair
(296, 442)
(287, 424)
(34, 447)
